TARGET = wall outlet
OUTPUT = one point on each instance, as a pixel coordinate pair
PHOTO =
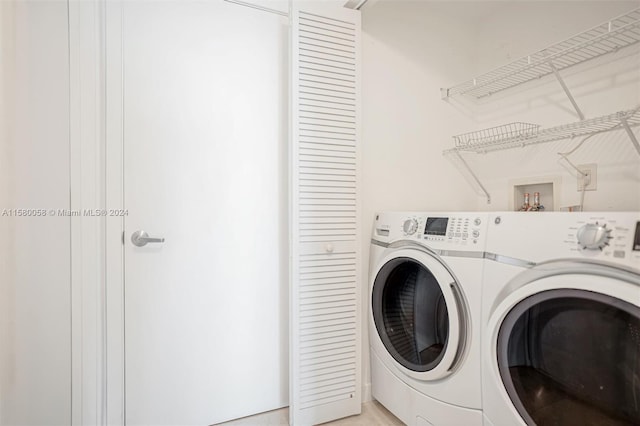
(590, 179)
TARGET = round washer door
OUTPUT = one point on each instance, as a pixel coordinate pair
(419, 313)
(567, 350)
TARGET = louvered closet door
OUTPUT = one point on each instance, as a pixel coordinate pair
(326, 283)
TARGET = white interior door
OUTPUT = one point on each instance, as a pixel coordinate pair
(205, 125)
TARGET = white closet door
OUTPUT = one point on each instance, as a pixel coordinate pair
(204, 149)
(326, 283)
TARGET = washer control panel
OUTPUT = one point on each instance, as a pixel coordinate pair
(443, 228)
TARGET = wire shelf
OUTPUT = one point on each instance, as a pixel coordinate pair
(585, 128)
(495, 135)
(605, 38)
(591, 126)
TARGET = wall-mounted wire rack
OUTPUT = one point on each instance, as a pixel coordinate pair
(608, 37)
(508, 140)
(605, 38)
(475, 142)
(496, 135)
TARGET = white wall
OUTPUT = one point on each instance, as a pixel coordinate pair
(413, 48)
(35, 322)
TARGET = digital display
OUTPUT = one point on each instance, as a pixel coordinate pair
(636, 239)
(436, 226)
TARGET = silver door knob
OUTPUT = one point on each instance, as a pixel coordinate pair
(140, 239)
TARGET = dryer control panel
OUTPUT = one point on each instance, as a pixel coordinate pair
(605, 236)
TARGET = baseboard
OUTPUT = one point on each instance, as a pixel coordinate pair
(366, 393)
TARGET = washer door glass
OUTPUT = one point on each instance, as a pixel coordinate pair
(572, 357)
(411, 314)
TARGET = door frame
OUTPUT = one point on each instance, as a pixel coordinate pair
(114, 196)
(97, 299)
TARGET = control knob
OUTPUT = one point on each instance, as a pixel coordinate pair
(410, 226)
(594, 236)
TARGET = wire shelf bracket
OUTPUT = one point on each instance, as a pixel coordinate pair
(566, 90)
(472, 175)
(632, 136)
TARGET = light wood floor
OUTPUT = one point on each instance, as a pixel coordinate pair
(373, 414)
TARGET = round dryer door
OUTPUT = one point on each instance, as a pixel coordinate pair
(419, 313)
(571, 356)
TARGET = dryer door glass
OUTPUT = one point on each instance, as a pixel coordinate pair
(572, 357)
(410, 314)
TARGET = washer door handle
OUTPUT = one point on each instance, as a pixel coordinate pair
(462, 324)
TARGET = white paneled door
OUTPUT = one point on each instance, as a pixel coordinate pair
(325, 237)
(205, 125)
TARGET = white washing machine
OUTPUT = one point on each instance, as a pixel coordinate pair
(561, 319)
(425, 303)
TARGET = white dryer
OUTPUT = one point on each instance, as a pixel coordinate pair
(425, 300)
(561, 314)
